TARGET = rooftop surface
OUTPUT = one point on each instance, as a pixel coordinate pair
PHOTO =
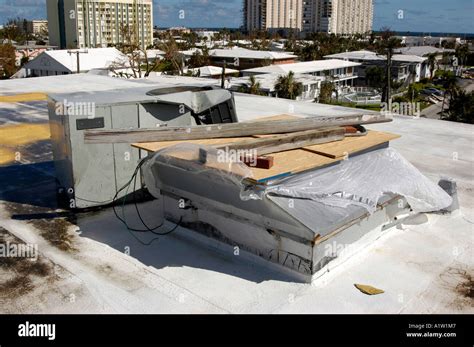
(419, 265)
(304, 67)
(206, 71)
(422, 51)
(372, 56)
(243, 53)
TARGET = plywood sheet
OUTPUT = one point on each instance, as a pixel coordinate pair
(351, 145)
(292, 162)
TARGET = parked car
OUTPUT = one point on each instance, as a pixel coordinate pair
(432, 91)
(436, 91)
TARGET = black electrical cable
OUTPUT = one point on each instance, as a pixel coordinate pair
(123, 220)
(152, 230)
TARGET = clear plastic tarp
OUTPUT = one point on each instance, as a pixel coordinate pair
(200, 160)
(363, 180)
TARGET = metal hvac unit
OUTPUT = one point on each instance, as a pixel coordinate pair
(89, 175)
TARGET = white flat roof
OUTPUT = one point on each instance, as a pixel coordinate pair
(238, 52)
(421, 51)
(304, 67)
(415, 265)
(372, 56)
(213, 70)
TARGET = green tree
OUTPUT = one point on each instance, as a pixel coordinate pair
(199, 59)
(461, 107)
(375, 77)
(287, 87)
(325, 94)
(7, 61)
(253, 88)
(462, 52)
(387, 46)
(173, 57)
(432, 63)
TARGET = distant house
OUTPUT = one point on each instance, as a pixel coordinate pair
(341, 72)
(28, 51)
(241, 58)
(405, 67)
(423, 51)
(413, 41)
(64, 62)
(213, 72)
(267, 82)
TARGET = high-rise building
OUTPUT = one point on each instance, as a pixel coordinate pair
(99, 23)
(330, 16)
(273, 14)
(343, 16)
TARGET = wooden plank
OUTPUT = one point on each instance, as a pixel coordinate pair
(156, 146)
(351, 145)
(226, 130)
(285, 142)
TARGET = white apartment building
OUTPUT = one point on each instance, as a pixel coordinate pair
(37, 26)
(330, 16)
(273, 14)
(344, 16)
(99, 23)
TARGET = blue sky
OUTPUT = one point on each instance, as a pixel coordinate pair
(418, 15)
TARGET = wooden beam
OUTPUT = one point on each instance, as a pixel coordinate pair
(286, 142)
(226, 130)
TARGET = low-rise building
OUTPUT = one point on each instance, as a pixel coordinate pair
(241, 58)
(341, 72)
(413, 41)
(64, 62)
(405, 67)
(29, 52)
(267, 82)
(213, 72)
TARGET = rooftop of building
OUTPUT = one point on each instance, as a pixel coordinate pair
(303, 67)
(92, 58)
(365, 55)
(422, 257)
(243, 53)
(422, 51)
(206, 71)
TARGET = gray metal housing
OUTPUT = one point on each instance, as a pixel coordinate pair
(91, 174)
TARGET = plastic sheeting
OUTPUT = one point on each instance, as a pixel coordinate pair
(363, 180)
(200, 160)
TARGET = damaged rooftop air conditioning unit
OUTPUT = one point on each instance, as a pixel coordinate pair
(89, 175)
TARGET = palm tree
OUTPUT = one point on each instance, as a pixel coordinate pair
(325, 93)
(172, 54)
(431, 63)
(387, 46)
(462, 52)
(253, 88)
(287, 87)
(451, 89)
